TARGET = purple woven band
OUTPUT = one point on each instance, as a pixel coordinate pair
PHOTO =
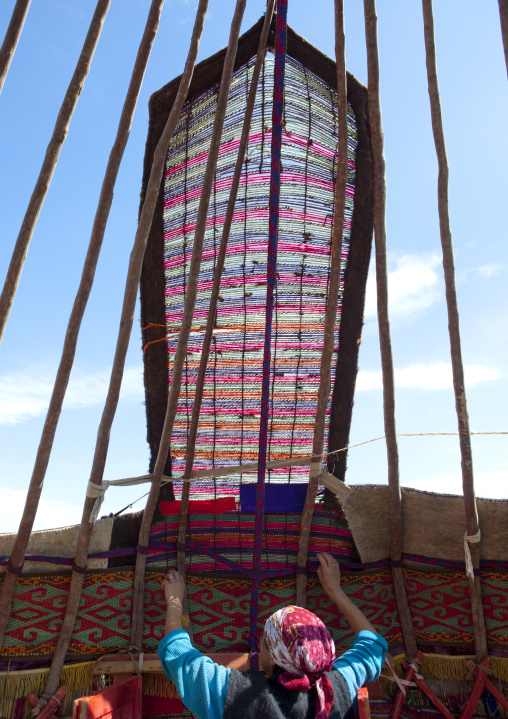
(181, 547)
(12, 569)
(79, 570)
(271, 276)
(395, 563)
(142, 550)
(254, 659)
(301, 570)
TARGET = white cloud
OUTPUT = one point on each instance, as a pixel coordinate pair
(413, 286)
(490, 485)
(432, 376)
(26, 394)
(49, 513)
(490, 270)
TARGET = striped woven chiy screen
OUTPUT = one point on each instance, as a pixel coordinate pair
(230, 414)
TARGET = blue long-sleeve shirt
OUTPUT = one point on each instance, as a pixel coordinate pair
(203, 685)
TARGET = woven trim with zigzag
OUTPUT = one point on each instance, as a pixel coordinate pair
(219, 609)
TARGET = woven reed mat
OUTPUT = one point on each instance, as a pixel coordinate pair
(219, 610)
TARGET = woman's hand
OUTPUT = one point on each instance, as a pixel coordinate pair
(329, 576)
(329, 573)
(174, 587)
(174, 591)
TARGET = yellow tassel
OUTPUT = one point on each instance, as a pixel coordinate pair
(78, 678)
(442, 666)
(499, 668)
(18, 684)
(158, 685)
(185, 620)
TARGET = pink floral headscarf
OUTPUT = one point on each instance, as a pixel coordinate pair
(300, 644)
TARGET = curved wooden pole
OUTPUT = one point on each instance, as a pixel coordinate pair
(385, 342)
(11, 37)
(480, 632)
(214, 299)
(50, 161)
(503, 14)
(190, 301)
(129, 304)
(331, 307)
(78, 310)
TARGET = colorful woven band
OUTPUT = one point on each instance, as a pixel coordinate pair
(79, 570)
(142, 550)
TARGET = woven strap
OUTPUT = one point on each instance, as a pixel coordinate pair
(78, 569)
(276, 148)
(140, 549)
(12, 569)
(301, 570)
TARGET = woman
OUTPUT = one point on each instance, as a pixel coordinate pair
(301, 678)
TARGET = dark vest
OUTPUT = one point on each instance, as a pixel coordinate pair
(252, 696)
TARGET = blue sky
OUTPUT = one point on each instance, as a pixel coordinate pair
(474, 90)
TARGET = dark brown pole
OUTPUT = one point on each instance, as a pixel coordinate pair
(377, 137)
(503, 14)
(78, 310)
(129, 304)
(11, 37)
(331, 307)
(205, 351)
(473, 529)
(50, 160)
(190, 301)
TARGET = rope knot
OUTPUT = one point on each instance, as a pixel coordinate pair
(470, 539)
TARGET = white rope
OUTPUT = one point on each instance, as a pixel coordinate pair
(470, 539)
(96, 491)
(253, 467)
(416, 674)
(401, 683)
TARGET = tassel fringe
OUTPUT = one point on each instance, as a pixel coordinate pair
(450, 667)
(78, 678)
(158, 685)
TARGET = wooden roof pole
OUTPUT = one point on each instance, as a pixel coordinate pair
(126, 320)
(50, 160)
(188, 314)
(11, 37)
(331, 307)
(210, 323)
(503, 14)
(377, 137)
(473, 529)
(78, 310)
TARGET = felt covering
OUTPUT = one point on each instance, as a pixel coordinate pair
(61, 543)
(433, 525)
